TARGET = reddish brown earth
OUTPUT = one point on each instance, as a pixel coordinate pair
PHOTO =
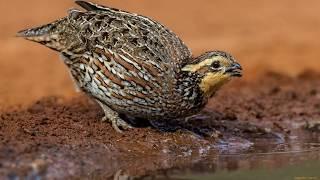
(49, 130)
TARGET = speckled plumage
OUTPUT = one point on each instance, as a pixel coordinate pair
(129, 63)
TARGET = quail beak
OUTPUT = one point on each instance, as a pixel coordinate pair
(234, 70)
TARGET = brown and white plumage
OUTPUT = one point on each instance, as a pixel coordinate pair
(133, 65)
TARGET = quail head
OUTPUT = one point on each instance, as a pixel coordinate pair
(132, 65)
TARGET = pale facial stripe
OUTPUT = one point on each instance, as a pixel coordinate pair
(196, 67)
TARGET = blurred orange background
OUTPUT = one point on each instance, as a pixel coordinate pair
(264, 35)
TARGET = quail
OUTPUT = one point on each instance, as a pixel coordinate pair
(132, 65)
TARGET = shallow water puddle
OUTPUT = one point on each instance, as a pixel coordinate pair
(292, 158)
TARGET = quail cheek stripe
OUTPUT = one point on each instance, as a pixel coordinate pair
(133, 65)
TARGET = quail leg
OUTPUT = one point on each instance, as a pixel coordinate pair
(113, 117)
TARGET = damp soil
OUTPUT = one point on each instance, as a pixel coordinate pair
(59, 138)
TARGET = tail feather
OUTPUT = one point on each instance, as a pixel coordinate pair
(37, 32)
(89, 6)
(49, 35)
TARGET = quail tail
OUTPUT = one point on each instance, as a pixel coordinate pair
(88, 5)
(48, 35)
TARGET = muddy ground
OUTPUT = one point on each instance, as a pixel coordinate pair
(49, 130)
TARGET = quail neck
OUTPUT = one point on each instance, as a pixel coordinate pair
(132, 65)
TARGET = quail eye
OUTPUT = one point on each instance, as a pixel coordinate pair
(216, 64)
